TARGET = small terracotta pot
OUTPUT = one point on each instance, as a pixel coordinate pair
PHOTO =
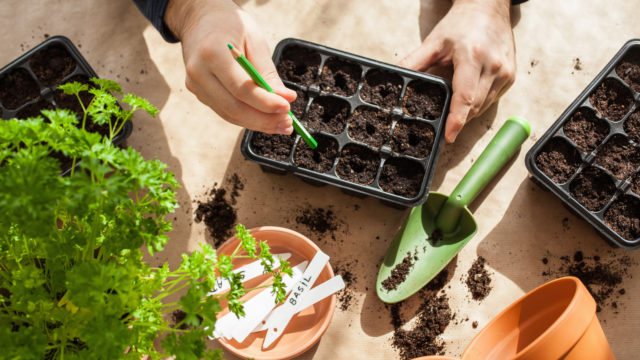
(557, 320)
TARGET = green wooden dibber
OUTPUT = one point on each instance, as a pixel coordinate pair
(255, 76)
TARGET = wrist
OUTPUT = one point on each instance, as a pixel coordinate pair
(500, 8)
(179, 14)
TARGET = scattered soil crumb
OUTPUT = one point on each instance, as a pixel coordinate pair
(577, 64)
(474, 324)
(399, 273)
(478, 279)
(565, 224)
(319, 220)
(534, 62)
(433, 317)
(217, 213)
(436, 236)
(346, 296)
(603, 277)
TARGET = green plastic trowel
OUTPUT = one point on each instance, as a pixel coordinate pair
(437, 230)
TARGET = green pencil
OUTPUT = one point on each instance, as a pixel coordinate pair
(246, 65)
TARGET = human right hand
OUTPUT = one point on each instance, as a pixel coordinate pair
(205, 27)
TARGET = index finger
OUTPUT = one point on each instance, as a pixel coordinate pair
(466, 79)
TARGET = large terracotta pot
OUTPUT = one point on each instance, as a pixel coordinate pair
(557, 320)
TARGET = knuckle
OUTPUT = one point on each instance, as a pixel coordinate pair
(208, 54)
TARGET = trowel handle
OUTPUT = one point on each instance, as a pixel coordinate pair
(506, 142)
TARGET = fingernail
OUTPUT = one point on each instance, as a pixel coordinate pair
(285, 127)
(453, 136)
(282, 110)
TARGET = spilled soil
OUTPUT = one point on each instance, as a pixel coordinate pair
(217, 211)
(478, 279)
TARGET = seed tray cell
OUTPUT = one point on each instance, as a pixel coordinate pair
(29, 84)
(379, 127)
(590, 157)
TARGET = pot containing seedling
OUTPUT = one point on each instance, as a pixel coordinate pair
(379, 127)
(590, 157)
(437, 230)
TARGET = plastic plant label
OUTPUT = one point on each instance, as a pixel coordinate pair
(249, 271)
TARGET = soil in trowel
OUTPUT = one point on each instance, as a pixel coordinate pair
(399, 272)
(217, 211)
(432, 318)
(603, 277)
(478, 279)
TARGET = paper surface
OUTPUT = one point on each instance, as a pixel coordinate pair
(518, 222)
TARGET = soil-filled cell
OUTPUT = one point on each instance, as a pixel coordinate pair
(370, 126)
(423, 99)
(401, 177)
(17, 88)
(321, 158)
(623, 216)
(413, 138)
(358, 164)
(52, 64)
(635, 184)
(585, 129)
(612, 99)
(558, 160)
(382, 88)
(33, 110)
(299, 104)
(619, 156)
(592, 188)
(629, 70)
(65, 162)
(632, 126)
(340, 77)
(276, 147)
(299, 65)
(328, 114)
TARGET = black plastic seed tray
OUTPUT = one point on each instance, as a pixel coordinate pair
(590, 157)
(29, 83)
(379, 126)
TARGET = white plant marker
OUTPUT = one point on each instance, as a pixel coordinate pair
(315, 295)
(256, 308)
(249, 271)
(294, 301)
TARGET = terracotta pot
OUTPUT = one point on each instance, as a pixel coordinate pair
(435, 357)
(557, 320)
(307, 327)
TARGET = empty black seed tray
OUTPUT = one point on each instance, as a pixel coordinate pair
(29, 85)
(379, 127)
(590, 157)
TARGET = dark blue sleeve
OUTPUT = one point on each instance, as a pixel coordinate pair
(154, 11)
(517, 2)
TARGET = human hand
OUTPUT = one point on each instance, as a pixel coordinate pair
(205, 27)
(476, 38)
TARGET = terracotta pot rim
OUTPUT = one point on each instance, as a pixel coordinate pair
(326, 321)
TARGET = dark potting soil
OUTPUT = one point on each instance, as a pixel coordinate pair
(413, 138)
(629, 71)
(382, 88)
(340, 77)
(217, 211)
(71, 102)
(177, 316)
(65, 162)
(585, 129)
(612, 99)
(370, 126)
(319, 221)
(52, 64)
(402, 177)
(424, 100)
(635, 184)
(558, 160)
(328, 114)
(433, 317)
(358, 164)
(623, 216)
(346, 296)
(603, 276)
(17, 88)
(592, 188)
(632, 126)
(299, 65)
(619, 156)
(299, 105)
(319, 159)
(399, 272)
(478, 279)
(277, 147)
(33, 110)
